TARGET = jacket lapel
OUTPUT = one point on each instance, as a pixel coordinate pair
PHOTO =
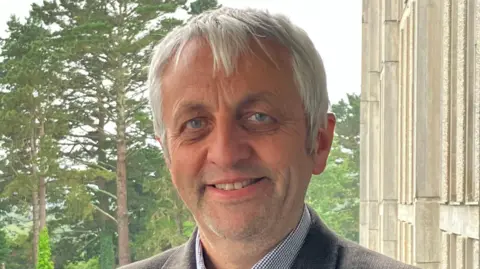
(184, 256)
(320, 249)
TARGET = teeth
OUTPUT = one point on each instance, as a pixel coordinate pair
(234, 186)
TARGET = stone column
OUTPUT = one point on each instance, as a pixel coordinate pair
(427, 132)
(389, 130)
(370, 125)
(364, 175)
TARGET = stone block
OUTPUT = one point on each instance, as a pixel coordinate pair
(460, 255)
(390, 154)
(476, 169)
(373, 240)
(460, 104)
(364, 212)
(389, 221)
(476, 254)
(390, 37)
(406, 213)
(364, 232)
(445, 109)
(444, 251)
(427, 232)
(391, 10)
(460, 219)
(388, 248)
(373, 216)
(471, 254)
(428, 265)
(373, 35)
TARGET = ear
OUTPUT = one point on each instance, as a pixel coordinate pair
(324, 143)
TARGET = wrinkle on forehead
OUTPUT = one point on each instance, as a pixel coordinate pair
(267, 50)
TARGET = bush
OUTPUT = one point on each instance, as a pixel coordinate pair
(44, 253)
(90, 264)
(4, 247)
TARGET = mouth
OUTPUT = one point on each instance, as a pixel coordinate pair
(238, 185)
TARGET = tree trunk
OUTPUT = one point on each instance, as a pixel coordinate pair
(35, 192)
(35, 226)
(122, 210)
(107, 255)
(42, 192)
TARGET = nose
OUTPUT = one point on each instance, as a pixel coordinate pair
(228, 145)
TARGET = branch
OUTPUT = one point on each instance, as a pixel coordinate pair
(103, 191)
(105, 213)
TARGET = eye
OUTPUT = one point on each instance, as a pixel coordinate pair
(260, 117)
(195, 124)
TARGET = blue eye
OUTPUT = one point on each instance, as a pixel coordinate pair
(260, 117)
(195, 124)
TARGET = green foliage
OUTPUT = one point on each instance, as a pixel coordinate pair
(20, 251)
(107, 255)
(90, 264)
(348, 126)
(199, 6)
(44, 253)
(165, 222)
(335, 193)
(4, 247)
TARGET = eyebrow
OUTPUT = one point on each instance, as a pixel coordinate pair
(187, 107)
(194, 106)
(256, 98)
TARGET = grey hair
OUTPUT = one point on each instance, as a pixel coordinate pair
(228, 32)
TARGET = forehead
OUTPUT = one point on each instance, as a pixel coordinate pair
(193, 76)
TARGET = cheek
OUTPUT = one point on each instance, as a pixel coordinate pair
(185, 163)
(282, 149)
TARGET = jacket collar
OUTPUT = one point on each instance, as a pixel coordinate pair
(320, 249)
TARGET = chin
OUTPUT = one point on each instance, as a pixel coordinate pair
(239, 231)
(239, 226)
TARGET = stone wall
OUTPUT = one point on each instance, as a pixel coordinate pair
(420, 131)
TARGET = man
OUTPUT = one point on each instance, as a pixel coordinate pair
(240, 105)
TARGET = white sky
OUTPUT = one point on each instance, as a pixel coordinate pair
(333, 25)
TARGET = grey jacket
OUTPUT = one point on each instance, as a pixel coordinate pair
(322, 249)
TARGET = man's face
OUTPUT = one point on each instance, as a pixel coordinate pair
(237, 144)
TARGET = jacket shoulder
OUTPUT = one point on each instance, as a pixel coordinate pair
(155, 262)
(352, 255)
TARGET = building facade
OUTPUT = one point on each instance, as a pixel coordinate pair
(420, 131)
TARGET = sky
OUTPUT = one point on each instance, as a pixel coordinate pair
(334, 27)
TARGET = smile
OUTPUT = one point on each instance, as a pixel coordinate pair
(237, 185)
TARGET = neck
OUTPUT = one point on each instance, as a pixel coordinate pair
(220, 252)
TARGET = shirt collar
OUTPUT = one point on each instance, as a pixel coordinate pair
(282, 256)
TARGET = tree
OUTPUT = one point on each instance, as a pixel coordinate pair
(334, 194)
(32, 120)
(74, 117)
(4, 247)
(107, 42)
(44, 253)
(348, 126)
(160, 220)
